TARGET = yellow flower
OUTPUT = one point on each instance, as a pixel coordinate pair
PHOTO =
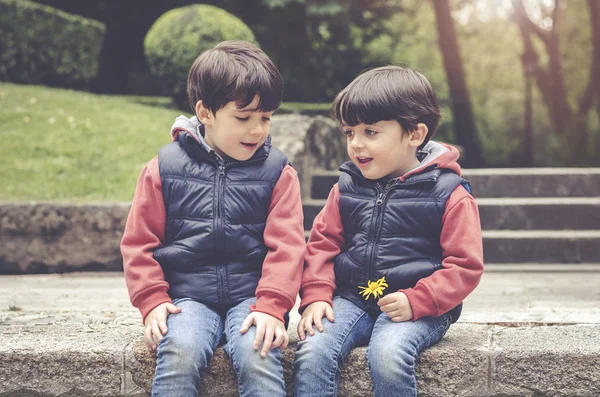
(375, 287)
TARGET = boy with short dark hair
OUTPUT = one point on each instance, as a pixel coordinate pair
(397, 246)
(214, 242)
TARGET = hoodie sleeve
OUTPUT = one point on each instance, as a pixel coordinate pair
(144, 233)
(284, 236)
(325, 243)
(462, 252)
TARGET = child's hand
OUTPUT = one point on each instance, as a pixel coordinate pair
(313, 314)
(396, 306)
(156, 323)
(270, 332)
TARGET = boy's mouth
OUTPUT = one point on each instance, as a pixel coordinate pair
(249, 146)
(364, 161)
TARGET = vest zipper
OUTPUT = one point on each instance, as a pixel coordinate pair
(219, 232)
(218, 207)
(379, 204)
(373, 232)
(220, 197)
(377, 227)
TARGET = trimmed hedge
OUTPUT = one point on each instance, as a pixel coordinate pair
(177, 38)
(43, 45)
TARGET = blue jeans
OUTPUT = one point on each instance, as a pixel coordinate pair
(392, 351)
(194, 334)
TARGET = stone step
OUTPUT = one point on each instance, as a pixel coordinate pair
(506, 182)
(560, 213)
(521, 334)
(564, 213)
(48, 237)
(535, 267)
(539, 246)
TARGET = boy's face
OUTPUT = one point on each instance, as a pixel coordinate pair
(235, 132)
(383, 149)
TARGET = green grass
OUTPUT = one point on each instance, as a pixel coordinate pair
(60, 144)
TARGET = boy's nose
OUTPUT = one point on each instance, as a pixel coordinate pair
(356, 143)
(257, 130)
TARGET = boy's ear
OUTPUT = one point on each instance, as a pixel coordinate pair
(204, 115)
(417, 136)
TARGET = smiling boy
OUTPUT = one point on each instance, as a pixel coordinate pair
(397, 246)
(214, 242)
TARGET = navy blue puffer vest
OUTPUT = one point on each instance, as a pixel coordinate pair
(391, 231)
(216, 215)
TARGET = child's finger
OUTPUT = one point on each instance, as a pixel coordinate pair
(385, 300)
(388, 308)
(300, 329)
(308, 325)
(148, 338)
(277, 342)
(260, 336)
(319, 323)
(171, 308)
(156, 331)
(162, 324)
(247, 323)
(267, 342)
(329, 313)
(394, 313)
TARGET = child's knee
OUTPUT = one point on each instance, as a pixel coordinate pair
(382, 355)
(248, 362)
(242, 342)
(183, 352)
(316, 351)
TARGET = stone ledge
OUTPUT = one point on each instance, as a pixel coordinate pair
(56, 237)
(472, 360)
(521, 334)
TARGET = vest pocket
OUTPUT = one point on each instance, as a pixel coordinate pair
(406, 275)
(348, 274)
(173, 258)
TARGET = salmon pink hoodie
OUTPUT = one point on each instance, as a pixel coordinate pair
(460, 240)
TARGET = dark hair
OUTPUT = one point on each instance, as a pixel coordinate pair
(237, 71)
(389, 93)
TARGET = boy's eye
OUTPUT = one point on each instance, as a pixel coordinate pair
(348, 133)
(370, 132)
(242, 118)
(266, 119)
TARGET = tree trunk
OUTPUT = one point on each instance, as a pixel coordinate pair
(551, 83)
(550, 80)
(594, 85)
(465, 129)
(592, 92)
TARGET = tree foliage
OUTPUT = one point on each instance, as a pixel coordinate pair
(180, 35)
(42, 45)
(321, 45)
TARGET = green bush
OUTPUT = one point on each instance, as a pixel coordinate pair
(42, 45)
(180, 35)
(305, 108)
